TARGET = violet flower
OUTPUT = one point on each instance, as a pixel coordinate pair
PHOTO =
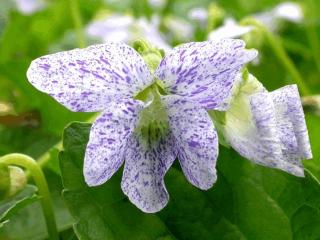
(286, 11)
(125, 28)
(268, 128)
(148, 135)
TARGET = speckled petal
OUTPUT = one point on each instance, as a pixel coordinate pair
(290, 113)
(273, 145)
(145, 167)
(108, 138)
(87, 79)
(204, 71)
(196, 140)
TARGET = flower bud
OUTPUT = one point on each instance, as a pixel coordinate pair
(13, 180)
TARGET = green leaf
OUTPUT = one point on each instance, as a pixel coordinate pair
(101, 212)
(247, 202)
(28, 223)
(9, 207)
(313, 123)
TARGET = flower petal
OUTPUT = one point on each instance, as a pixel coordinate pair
(272, 137)
(145, 167)
(197, 141)
(86, 79)
(108, 138)
(289, 110)
(255, 128)
(204, 71)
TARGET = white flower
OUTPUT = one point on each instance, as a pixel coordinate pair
(285, 11)
(146, 136)
(157, 3)
(230, 29)
(180, 29)
(120, 28)
(199, 15)
(288, 11)
(29, 6)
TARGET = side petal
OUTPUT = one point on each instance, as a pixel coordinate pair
(87, 79)
(252, 128)
(108, 138)
(145, 167)
(204, 71)
(290, 112)
(273, 144)
(196, 140)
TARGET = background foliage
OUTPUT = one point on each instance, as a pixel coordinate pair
(247, 202)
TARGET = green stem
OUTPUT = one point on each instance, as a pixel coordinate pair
(40, 180)
(312, 34)
(280, 52)
(76, 16)
(314, 43)
(44, 158)
(276, 45)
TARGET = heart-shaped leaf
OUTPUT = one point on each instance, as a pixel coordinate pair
(247, 202)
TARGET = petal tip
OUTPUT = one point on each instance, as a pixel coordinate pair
(144, 205)
(93, 180)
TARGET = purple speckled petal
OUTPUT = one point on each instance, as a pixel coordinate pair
(204, 71)
(196, 140)
(145, 167)
(87, 79)
(273, 144)
(290, 113)
(108, 138)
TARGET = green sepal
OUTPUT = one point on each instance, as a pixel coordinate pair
(237, 119)
(151, 55)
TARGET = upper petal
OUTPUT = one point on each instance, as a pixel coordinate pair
(196, 140)
(290, 113)
(145, 167)
(108, 138)
(204, 71)
(86, 79)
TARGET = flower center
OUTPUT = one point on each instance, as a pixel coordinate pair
(153, 120)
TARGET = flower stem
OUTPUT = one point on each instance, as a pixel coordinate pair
(30, 164)
(314, 43)
(44, 158)
(282, 55)
(76, 16)
(280, 52)
(311, 32)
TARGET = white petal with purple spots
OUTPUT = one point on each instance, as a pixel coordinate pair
(275, 147)
(87, 79)
(145, 167)
(196, 140)
(290, 113)
(108, 139)
(204, 71)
